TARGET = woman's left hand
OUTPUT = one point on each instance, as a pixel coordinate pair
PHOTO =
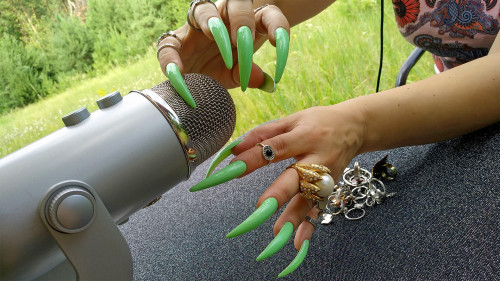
(330, 136)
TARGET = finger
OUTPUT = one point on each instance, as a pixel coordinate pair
(283, 230)
(242, 24)
(271, 21)
(169, 49)
(239, 13)
(295, 212)
(306, 228)
(284, 188)
(258, 79)
(204, 15)
(283, 146)
(168, 56)
(175, 77)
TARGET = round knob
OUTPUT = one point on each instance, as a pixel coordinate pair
(109, 100)
(76, 117)
(71, 209)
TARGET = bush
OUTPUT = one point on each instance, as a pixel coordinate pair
(71, 46)
(114, 32)
(25, 74)
(125, 29)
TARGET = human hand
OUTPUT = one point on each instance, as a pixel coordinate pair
(203, 45)
(329, 136)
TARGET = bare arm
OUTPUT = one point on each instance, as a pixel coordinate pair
(447, 105)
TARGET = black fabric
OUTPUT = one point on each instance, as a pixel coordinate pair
(442, 224)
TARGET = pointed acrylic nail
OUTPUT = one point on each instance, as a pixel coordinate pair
(301, 255)
(221, 36)
(244, 44)
(268, 85)
(225, 174)
(223, 154)
(259, 216)
(282, 46)
(175, 77)
(278, 242)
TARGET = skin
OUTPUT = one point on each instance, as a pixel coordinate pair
(447, 105)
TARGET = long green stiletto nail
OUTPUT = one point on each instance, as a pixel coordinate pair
(278, 242)
(301, 255)
(282, 46)
(225, 174)
(223, 154)
(221, 36)
(175, 77)
(244, 44)
(259, 216)
(268, 85)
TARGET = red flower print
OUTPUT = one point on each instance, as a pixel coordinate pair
(406, 11)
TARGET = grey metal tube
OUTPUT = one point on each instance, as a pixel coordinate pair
(128, 153)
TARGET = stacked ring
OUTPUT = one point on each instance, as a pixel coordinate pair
(163, 46)
(167, 34)
(191, 9)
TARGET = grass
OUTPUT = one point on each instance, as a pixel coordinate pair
(333, 57)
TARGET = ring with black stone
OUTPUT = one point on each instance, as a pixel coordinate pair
(267, 152)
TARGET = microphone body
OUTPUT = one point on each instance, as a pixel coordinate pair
(129, 153)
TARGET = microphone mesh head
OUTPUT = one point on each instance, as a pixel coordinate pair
(212, 123)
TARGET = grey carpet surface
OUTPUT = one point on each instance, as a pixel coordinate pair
(442, 224)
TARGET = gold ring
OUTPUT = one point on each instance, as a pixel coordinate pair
(315, 181)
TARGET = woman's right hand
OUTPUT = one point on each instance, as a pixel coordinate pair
(204, 45)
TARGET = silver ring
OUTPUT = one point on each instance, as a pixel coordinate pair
(168, 34)
(267, 152)
(260, 8)
(166, 45)
(192, 7)
(311, 221)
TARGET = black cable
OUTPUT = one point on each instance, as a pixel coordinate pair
(381, 43)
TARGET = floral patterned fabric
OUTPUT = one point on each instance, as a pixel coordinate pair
(454, 31)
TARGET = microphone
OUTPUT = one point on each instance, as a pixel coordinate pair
(124, 155)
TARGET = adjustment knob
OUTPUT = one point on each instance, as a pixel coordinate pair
(109, 100)
(76, 117)
(70, 209)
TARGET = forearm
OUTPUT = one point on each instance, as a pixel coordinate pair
(444, 106)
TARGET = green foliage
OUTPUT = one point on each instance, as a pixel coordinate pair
(124, 29)
(45, 44)
(24, 74)
(71, 46)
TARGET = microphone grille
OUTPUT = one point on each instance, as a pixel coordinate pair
(212, 123)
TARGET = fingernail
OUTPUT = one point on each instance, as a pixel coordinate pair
(225, 174)
(282, 46)
(175, 77)
(301, 255)
(265, 211)
(278, 242)
(268, 85)
(244, 44)
(223, 154)
(221, 36)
